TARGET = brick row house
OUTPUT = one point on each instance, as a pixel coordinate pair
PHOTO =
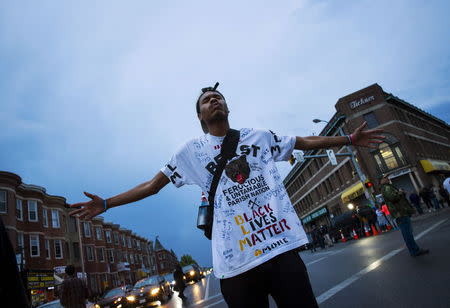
(47, 239)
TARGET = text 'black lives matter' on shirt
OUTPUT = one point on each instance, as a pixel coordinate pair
(254, 219)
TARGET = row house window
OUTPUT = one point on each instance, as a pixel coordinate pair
(129, 242)
(44, 218)
(20, 244)
(34, 245)
(19, 210)
(131, 258)
(90, 253)
(116, 238)
(98, 233)
(47, 249)
(87, 229)
(55, 219)
(123, 241)
(108, 236)
(3, 202)
(101, 254)
(58, 249)
(32, 211)
(110, 255)
(138, 245)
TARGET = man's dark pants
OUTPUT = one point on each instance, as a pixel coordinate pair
(284, 277)
(404, 223)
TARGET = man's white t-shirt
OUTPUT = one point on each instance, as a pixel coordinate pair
(254, 219)
(446, 184)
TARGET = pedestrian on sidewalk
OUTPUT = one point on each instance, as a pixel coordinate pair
(179, 282)
(391, 220)
(415, 200)
(381, 219)
(247, 270)
(425, 195)
(446, 185)
(401, 210)
(74, 292)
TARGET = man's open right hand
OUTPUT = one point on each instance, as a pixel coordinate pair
(88, 209)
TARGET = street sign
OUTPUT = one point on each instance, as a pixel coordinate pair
(300, 156)
(332, 157)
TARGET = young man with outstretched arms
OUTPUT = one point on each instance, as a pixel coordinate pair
(255, 227)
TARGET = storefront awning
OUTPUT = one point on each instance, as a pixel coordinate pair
(430, 165)
(353, 192)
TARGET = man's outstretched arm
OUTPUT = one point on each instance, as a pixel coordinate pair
(96, 205)
(364, 138)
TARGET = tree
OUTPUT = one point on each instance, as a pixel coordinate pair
(187, 260)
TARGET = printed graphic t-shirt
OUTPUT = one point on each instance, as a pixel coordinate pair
(254, 219)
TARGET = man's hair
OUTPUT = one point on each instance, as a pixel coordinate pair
(197, 104)
(70, 270)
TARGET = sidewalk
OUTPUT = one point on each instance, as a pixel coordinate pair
(417, 217)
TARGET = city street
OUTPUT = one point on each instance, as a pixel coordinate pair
(371, 272)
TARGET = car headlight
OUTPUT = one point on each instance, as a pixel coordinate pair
(96, 306)
(192, 273)
(154, 291)
(118, 300)
(131, 298)
(173, 282)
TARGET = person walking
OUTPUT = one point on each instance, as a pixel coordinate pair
(73, 290)
(391, 220)
(415, 200)
(425, 195)
(401, 210)
(179, 281)
(446, 185)
(241, 259)
(381, 219)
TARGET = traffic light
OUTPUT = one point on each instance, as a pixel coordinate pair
(368, 184)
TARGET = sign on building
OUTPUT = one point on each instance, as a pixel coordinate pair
(332, 157)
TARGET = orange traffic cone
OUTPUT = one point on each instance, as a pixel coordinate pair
(367, 231)
(355, 236)
(374, 230)
(389, 227)
(343, 239)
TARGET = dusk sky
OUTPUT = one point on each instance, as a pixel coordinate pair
(97, 95)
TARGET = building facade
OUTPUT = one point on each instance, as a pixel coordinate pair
(166, 260)
(415, 154)
(46, 239)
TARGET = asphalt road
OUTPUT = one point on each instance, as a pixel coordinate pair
(371, 272)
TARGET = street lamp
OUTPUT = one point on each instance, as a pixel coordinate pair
(350, 206)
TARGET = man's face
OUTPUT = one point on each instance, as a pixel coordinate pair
(212, 107)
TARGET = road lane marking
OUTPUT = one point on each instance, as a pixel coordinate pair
(204, 300)
(312, 262)
(207, 288)
(213, 304)
(327, 294)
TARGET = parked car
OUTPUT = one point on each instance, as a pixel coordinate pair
(192, 273)
(169, 277)
(114, 298)
(153, 290)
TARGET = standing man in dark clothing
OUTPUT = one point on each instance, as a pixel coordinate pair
(179, 281)
(401, 211)
(415, 200)
(424, 194)
(73, 290)
(445, 195)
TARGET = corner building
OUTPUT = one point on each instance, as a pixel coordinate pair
(415, 154)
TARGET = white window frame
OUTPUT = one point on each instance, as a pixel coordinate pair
(101, 257)
(124, 242)
(98, 233)
(116, 238)
(111, 255)
(19, 209)
(60, 248)
(87, 229)
(138, 244)
(48, 253)
(90, 249)
(55, 218)
(34, 203)
(33, 239)
(108, 236)
(4, 200)
(45, 217)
